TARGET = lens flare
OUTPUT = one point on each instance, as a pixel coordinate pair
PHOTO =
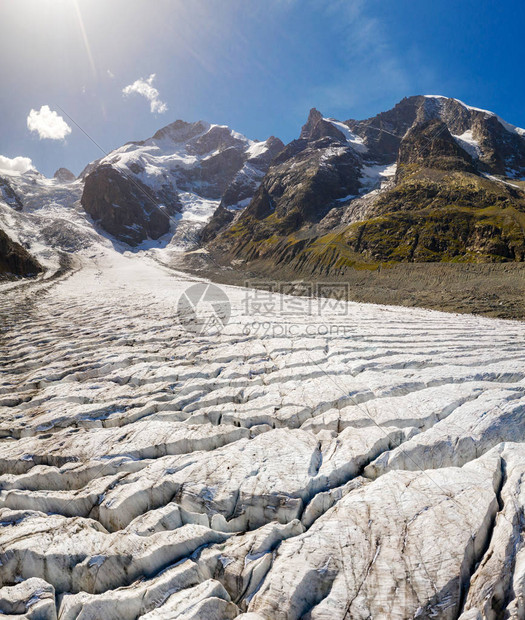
(85, 39)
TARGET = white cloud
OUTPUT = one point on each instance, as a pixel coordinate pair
(110, 74)
(147, 90)
(48, 124)
(16, 164)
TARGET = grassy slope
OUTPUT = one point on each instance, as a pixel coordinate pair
(430, 216)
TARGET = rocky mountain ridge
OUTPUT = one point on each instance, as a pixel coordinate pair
(183, 174)
(430, 180)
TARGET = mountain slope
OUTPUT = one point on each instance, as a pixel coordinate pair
(45, 218)
(430, 180)
(15, 260)
(310, 175)
(174, 181)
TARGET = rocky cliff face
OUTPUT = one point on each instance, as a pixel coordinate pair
(9, 195)
(430, 180)
(429, 144)
(63, 175)
(15, 260)
(125, 207)
(307, 178)
(188, 169)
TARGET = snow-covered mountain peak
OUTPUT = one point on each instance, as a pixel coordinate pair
(353, 140)
(186, 168)
(181, 131)
(182, 145)
(441, 99)
(200, 138)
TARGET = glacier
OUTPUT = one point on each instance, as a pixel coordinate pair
(307, 460)
(367, 463)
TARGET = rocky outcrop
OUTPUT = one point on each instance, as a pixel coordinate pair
(316, 127)
(188, 168)
(15, 260)
(221, 218)
(429, 144)
(9, 195)
(125, 207)
(63, 175)
(416, 183)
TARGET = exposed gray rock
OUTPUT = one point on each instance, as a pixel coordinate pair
(15, 260)
(63, 175)
(125, 207)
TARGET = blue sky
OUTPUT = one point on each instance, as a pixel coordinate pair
(256, 65)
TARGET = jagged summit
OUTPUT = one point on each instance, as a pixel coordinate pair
(318, 127)
(193, 181)
(181, 131)
(188, 169)
(436, 160)
(64, 175)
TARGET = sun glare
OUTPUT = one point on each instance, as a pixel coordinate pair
(84, 37)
